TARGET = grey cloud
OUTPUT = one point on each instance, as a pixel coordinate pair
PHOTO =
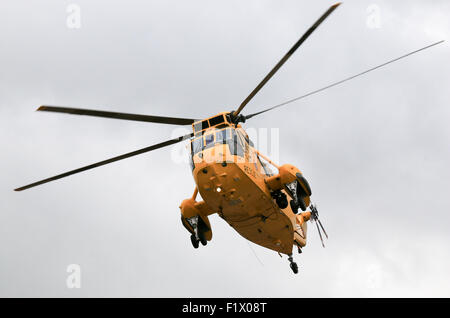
(375, 150)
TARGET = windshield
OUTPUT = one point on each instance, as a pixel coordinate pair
(197, 145)
(209, 140)
(223, 136)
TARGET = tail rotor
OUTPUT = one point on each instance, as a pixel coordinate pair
(315, 218)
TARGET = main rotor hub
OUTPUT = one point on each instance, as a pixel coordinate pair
(237, 119)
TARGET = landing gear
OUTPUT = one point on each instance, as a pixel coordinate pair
(201, 237)
(199, 231)
(302, 179)
(280, 199)
(294, 207)
(297, 193)
(293, 265)
(194, 241)
(300, 204)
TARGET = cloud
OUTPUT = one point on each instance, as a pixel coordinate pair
(374, 150)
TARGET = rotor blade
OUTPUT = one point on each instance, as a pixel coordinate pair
(342, 81)
(104, 162)
(320, 235)
(323, 229)
(286, 57)
(126, 116)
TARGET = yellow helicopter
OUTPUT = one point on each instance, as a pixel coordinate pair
(264, 202)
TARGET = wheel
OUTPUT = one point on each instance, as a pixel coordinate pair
(294, 207)
(282, 201)
(201, 236)
(294, 267)
(194, 241)
(302, 204)
(303, 180)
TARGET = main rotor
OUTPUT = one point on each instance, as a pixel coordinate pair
(234, 116)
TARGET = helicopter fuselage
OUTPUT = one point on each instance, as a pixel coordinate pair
(232, 180)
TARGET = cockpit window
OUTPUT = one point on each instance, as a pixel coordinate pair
(216, 120)
(223, 135)
(209, 140)
(197, 145)
(245, 139)
(249, 141)
(201, 126)
(266, 167)
(198, 126)
(234, 143)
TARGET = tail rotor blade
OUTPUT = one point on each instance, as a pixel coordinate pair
(320, 223)
(315, 218)
(320, 234)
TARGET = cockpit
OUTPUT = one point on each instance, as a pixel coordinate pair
(238, 144)
(220, 130)
(220, 121)
(213, 137)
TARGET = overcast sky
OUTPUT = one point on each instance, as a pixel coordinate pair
(375, 150)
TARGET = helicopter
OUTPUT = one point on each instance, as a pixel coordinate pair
(266, 203)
